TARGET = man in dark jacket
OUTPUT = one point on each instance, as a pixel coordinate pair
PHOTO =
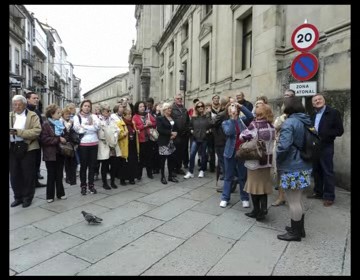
(182, 120)
(32, 99)
(328, 123)
(240, 98)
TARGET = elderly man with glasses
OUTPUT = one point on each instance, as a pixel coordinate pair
(180, 116)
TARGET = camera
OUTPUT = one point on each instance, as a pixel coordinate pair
(233, 107)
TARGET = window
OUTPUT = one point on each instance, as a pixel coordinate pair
(208, 9)
(17, 62)
(171, 83)
(184, 31)
(246, 42)
(206, 64)
(243, 42)
(171, 48)
(10, 58)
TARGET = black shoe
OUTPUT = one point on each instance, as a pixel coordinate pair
(16, 202)
(122, 182)
(180, 172)
(315, 195)
(39, 176)
(114, 186)
(163, 180)
(252, 214)
(139, 178)
(221, 178)
(96, 177)
(131, 182)
(26, 203)
(39, 185)
(67, 181)
(83, 190)
(92, 189)
(105, 186)
(220, 189)
(261, 216)
(173, 179)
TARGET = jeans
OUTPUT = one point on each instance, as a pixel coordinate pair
(194, 148)
(233, 167)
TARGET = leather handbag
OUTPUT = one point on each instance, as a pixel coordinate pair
(67, 149)
(20, 149)
(255, 149)
(153, 133)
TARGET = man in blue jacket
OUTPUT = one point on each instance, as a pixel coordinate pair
(328, 123)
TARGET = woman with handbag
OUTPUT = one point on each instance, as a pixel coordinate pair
(232, 127)
(167, 132)
(70, 163)
(52, 135)
(144, 121)
(258, 171)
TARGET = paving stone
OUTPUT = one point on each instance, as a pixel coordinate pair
(201, 193)
(25, 235)
(163, 196)
(28, 217)
(119, 199)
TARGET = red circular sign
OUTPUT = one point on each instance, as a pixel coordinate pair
(305, 37)
(304, 66)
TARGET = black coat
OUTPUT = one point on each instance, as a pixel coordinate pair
(164, 128)
(219, 135)
(330, 125)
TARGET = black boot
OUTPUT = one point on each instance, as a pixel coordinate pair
(123, 182)
(263, 207)
(83, 188)
(256, 206)
(105, 184)
(149, 173)
(171, 178)
(162, 170)
(303, 234)
(113, 185)
(294, 234)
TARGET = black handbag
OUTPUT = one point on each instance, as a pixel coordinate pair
(20, 149)
(74, 137)
(67, 149)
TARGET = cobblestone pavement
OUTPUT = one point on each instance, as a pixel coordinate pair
(174, 229)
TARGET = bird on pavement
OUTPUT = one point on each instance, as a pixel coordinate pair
(90, 218)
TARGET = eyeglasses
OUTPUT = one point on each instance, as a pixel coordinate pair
(201, 106)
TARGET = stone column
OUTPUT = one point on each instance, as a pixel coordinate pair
(145, 83)
(137, 83)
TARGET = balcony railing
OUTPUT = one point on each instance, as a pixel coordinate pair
(28, 58)
(18, 30)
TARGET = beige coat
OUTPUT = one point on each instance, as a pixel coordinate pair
(32, 129)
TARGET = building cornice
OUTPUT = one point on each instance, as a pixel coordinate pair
(180, 12)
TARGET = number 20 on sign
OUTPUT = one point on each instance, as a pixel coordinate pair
(305, 37)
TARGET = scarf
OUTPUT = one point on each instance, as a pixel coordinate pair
(88, 117)
(59, 126)
(129, 125)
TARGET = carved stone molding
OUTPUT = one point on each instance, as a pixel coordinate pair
(206, 28)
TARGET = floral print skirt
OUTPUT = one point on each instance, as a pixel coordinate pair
(295, 180)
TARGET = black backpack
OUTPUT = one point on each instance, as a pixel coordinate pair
(311, 149)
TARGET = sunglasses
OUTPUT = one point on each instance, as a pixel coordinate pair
(201, 106)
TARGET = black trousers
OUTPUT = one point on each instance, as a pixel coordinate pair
(181, 145)
(55, 177)
(22, 172)
(70, 169)
(88, 159)
(170, 162)
(146, 156)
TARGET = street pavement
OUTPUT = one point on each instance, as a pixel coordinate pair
(174, 229)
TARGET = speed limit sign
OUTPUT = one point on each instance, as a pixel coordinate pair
(305, 37)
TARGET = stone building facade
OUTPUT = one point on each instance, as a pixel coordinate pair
(225, 49)
(111, 91)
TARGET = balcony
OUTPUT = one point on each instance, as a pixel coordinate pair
(28, 58)
(37, 76)
(17, 31)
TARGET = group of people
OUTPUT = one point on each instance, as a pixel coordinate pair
(120, 140)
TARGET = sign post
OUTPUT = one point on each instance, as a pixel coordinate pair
(305, 65)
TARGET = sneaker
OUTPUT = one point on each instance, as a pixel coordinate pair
(189, 175)
(201, 174)
(245, 204)
(50, 200)
(92, 189)
(223, 203)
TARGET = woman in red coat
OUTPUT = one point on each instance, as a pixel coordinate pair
(143, 122)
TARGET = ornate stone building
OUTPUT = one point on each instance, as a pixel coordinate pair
(225, 49)
(111, 91)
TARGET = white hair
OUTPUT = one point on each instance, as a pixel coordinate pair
(19, 97)
(164, 107)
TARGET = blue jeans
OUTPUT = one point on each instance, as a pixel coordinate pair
(195, 146)
(233, 167)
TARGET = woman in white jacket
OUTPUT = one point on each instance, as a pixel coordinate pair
(87, 125)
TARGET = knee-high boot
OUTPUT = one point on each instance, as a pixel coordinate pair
(162, 170)
(256, 206)
(263, 207)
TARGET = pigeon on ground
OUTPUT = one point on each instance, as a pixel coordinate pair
(90, 218)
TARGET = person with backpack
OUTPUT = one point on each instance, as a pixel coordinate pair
(328, 123)
(294, 171)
